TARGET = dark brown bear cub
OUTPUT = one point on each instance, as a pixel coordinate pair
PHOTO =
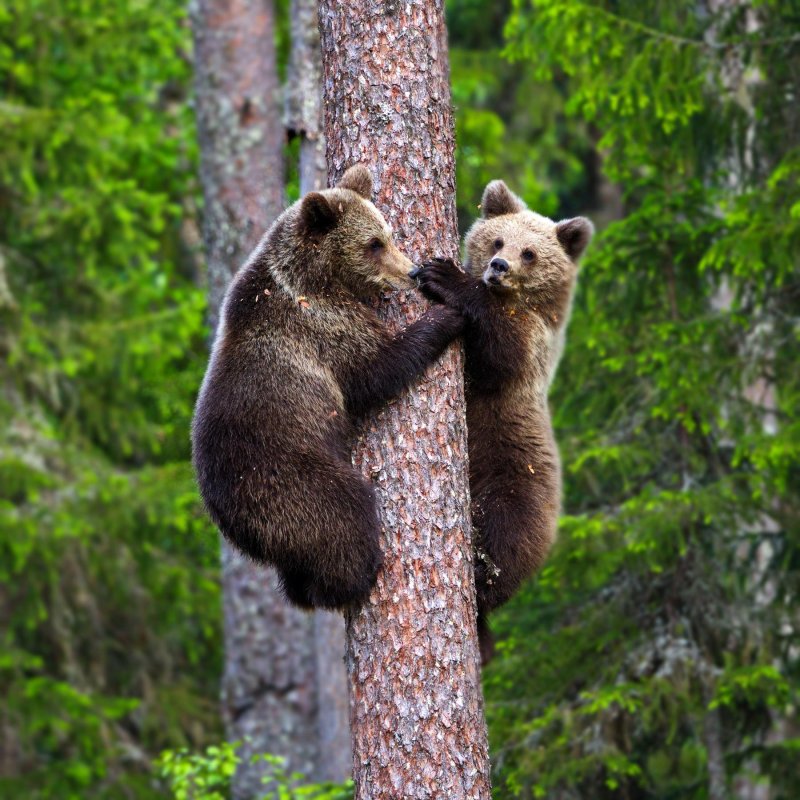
(298, 356)
(516, 300)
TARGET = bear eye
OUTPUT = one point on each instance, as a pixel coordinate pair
(498, 244)
(375, 245)
(528, 255)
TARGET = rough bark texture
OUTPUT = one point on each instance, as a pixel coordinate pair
(304, 95)
(268, 690)
(240, 131)
(269, 694)
(304, 120)
(416, 706)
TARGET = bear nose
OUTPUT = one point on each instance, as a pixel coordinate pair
(499, 265)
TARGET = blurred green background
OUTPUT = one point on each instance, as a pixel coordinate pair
(661, 643)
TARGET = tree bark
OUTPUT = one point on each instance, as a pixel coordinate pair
(268, 693)
(304, 120)
(240, 131)
(416, 707)
(304, 95)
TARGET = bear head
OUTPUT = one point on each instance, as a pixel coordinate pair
(516, 250)
(337, 239)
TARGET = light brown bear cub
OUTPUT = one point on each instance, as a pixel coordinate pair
(297, 358)
(515, 297)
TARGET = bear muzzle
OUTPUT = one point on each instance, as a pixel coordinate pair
(496, 272)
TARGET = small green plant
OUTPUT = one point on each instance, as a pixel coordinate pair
(207, 776)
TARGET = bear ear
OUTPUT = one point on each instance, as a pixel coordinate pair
(499, 199)
(357, 179)
(574, 235)
(316, 215)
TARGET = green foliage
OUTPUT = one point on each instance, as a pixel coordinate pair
(207, 776)
(508, 122)
(199, 776)
(619, 68)
(660, 640)
(663, 632)
(110, 649)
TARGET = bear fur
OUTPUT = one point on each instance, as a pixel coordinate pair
(515, 298)
(298, 357)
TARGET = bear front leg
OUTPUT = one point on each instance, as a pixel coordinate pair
(496, 340)
(401, 358)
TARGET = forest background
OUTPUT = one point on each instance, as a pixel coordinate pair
(658, 653)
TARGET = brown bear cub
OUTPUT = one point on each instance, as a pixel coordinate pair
(298, 357)
(515, 298)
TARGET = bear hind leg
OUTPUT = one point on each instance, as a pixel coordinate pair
(338, 556)
(514, 534)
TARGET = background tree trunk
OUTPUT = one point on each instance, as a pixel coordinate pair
(304, 120)
(304, 95)
(416, 705)
(239, 129)
(742, 83)
(268, 694)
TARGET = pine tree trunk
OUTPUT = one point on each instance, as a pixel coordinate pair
(304, 95)
(269, 693)
(240, 131)
(416, 707)
(304, 120)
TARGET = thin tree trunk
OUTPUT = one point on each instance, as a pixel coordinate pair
(240, 131)
(416, 707)
(268, 695)
(712, 738)
(304, 95)
(335, 762)
(304, 120)
(740, 82)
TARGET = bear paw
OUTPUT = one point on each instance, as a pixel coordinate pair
(442, 281)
